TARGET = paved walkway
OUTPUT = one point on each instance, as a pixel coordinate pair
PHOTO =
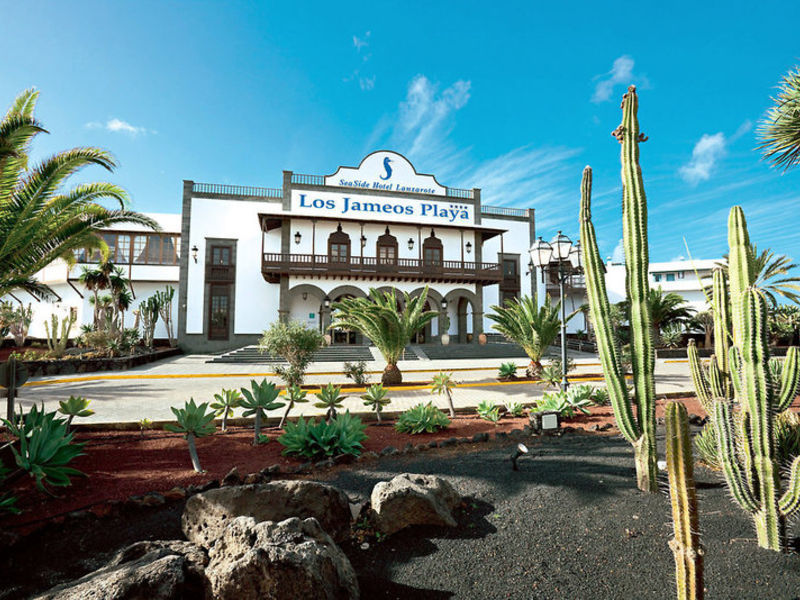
(150, 390)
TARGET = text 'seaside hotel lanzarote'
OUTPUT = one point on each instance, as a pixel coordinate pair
(259, 254)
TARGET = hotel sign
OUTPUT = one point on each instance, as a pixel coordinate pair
(387, 171)
(381, 208)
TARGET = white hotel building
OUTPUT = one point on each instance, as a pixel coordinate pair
(254, 255)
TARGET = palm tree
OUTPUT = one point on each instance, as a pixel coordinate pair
(534, 328)
(779, 132)
(667, 309)
(389, 327)
(704, 320)
(39, 221)
(772, 275)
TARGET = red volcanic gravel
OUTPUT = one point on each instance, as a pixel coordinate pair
(119, 464)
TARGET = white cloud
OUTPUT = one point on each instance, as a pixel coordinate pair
(119, 126)
(618, 255)
(525, 176)
(360, 43)
(366, 83)
(621, 73)
(706, 154)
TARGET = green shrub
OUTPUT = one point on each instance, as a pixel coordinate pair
(600, 397)
(193, 422)
(45, 447)
(551, 375)
(507, 371)
(563, 404)
(488, 411)
(376, 399)
(309, 439)
(423, 418)
(330, 397)
(515, 409)
(357, 372)
(296, 344)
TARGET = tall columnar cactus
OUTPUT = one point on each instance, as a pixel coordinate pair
(747, 444)
(639, 428)
(683, 496)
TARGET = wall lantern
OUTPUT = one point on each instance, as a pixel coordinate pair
(410, 243)
(469, 247)
(297, 237)
(363, 240)
(545, 422)
(326, 302)
(444, 304)
(305, 295)
(194, 253)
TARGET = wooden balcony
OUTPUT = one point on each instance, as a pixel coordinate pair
(220, 273)
(274, 265)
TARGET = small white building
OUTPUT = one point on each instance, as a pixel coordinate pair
(680, 276)
(149, 259)
(254, 255)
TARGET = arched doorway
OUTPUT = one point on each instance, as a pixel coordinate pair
(344, 337)
(465, 319)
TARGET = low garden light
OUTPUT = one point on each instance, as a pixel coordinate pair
(194, 253)
(518, 451)
(546, 422)
(297, 237)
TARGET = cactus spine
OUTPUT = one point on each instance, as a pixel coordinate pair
(639, 430)
(748, 455)
(686, 544)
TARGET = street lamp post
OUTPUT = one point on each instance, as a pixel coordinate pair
(568, 259)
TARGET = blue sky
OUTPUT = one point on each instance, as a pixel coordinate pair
(512, 98)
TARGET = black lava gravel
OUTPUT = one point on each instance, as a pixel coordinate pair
(568, 525)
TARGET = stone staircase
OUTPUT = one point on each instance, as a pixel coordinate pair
(343, 353)
(472, 351)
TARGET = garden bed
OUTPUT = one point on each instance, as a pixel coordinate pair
(119, 464)
(75, 364)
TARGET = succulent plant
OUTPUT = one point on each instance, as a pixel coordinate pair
(683, 495)
(342, 435)
(257, 401)
(443, 383)
(376, 399)
(422, 418)
(330, 397)
(635, 415)
(226, 402)
(294, 395)
(193, 422)
(74, 406)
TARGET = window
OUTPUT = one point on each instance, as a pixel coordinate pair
(670, 276)
(657, 277)
(387, 249)
(219, 312)
(221, 256)
(509, 269)
(339, 246)
(432, 251)
(139, 248)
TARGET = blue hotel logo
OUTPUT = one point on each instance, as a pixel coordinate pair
(386, 166)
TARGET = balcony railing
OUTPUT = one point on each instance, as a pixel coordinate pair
(308, 179)
(236, 190)
(275, 264)
(504, 211)
(220, 273)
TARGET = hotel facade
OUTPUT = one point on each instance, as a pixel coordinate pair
(254, 255)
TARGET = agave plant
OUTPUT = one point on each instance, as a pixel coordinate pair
(507, 371)
(488, 411)
(422, 418)
(294, 394)
(257, 401)
(534, 328)
(443, 383)
(226, 402)
(389, 327)
(74, 406)
(551, 375)
(45, 447)
(193, 422)
(39, 221)
(376, 399)
(330, 397)
(342, 435)
(515, 409)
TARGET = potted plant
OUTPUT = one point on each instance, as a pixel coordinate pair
(445, 325)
